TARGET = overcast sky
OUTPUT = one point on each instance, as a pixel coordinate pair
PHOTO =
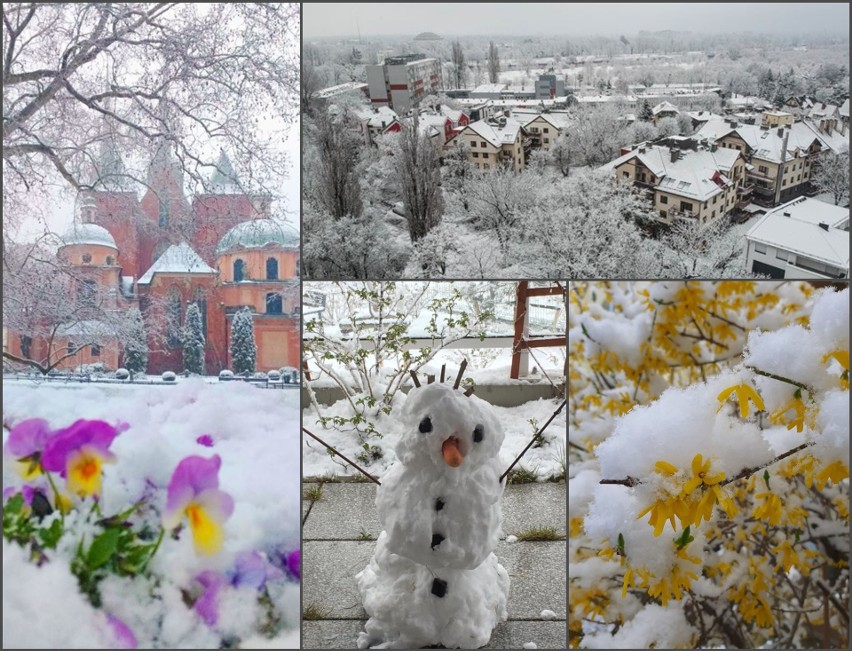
(338, 19)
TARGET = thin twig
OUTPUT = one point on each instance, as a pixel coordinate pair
(534, 438)
(781, 378)
(349, 461)
(462, 367)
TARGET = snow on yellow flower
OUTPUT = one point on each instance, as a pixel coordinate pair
(835, 472)
(770, 510)
(796, 405)
(744, 393)
(701, 475)
(661, 510)
(842, 357)
(628, 582)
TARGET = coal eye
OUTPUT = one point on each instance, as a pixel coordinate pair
(478, 434)
(425, 425)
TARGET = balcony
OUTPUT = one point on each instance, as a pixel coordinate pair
(675, 213)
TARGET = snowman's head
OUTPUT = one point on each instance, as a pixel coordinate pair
(448, 428)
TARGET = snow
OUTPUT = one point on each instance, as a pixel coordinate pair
(178, 258)
(434, 578)
(255, 433)
(84, 233)
(653, 626)
(547, 614)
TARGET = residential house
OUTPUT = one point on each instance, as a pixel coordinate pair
(496, 142)
(776, 119)
(803, 238)
(543, 128)
(774, 177)
(686, 178)
(376, 121)
(664, 110)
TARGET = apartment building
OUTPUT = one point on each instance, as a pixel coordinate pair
(543, 128)
(804, 238)
(685, 177)
(401, 82)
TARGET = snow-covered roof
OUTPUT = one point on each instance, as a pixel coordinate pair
(91, 329)
(496, 135)
(177, 259)
(702, 116)
(557, 120)
(742, 101)
(489, 88)
(795, 226)
(665, 107)
(691, 175)
(454, 114)
(84, 233)
(844, 109)
(432, 124)
(765, 142)
(333, 91)
(834, 140)
(377, 117)
(258, 233)
(823, 110)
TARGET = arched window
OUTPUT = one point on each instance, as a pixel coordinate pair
(274, 304)
(96, 350)
(26, 346)
(87, 258)
(239, 270)
(110, 260)
(200, 299)
(298, 267)
(271, 269)
(87, 292)
(173, 316)
(163, 213)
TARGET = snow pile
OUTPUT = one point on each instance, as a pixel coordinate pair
(254, 593)
(652, 627)
(434, 578)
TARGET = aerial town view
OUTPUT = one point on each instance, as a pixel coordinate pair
(572, 141)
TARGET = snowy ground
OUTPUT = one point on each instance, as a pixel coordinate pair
(254, 433)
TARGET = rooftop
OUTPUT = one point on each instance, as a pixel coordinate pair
(495, 134)
(765, 142)
(83, 233)
(257, 234)
(796, 226)
(177, 259)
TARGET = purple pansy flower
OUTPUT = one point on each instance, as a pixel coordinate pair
(207, 605)
(78, 453)
(193, 491)
(28, 437)
(206, 440)
(294, 565)
(251, 568)
(122, 636)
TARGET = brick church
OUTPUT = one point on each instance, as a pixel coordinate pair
(221, 250)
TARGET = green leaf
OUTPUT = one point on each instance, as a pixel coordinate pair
(14, 505)
(103, 548)
(684, 539)
(620, 548)
(766, 478)
(50, 536)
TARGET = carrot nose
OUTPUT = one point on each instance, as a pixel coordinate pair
(451, 453)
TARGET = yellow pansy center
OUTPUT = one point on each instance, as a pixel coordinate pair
(83, 472)
(206, 532)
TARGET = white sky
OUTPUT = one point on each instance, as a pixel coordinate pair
(520, 19)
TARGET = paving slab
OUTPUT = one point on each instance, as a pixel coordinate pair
(345, 510)
(342, 634)
(537, 572)
(535, 505)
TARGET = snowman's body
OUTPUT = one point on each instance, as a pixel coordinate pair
(433, 578)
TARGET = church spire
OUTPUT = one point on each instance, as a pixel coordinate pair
(224, 180)
(111, 174)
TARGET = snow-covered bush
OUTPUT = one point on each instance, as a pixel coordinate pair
(260, 375)
(122, 374)
(274, 376)
(168, 376)
(225, 374)
(289, 374)
(709, 494)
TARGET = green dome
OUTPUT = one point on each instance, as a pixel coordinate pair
(257, 234)
(88, 234)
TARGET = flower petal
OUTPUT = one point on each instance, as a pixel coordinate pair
(27, 437)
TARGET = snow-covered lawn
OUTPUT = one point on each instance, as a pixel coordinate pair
(242, 592)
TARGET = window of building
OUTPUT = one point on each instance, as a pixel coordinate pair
(799, 178)
(485, 166)
(760, 248)
(482, 144)
(664, 199)
(781, 255)
(110, 260)
(473, 143)
(239, 270)
(87, 258)
(546, 130)
(714, 198)
(625, 175)
(274, 304)
(87, 292)
(476, 154)
(26, 346)
(271, 269)
(546, 140)
(72, 348)
(163, 213)
(685, 206)
(96, 350)
(763, 169)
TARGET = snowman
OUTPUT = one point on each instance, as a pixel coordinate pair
(434, 578)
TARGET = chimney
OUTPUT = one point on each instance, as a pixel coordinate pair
(714, 147)
(786, 213)
(823, 226)
(675, 154)
(733, 124)
(781, 132)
